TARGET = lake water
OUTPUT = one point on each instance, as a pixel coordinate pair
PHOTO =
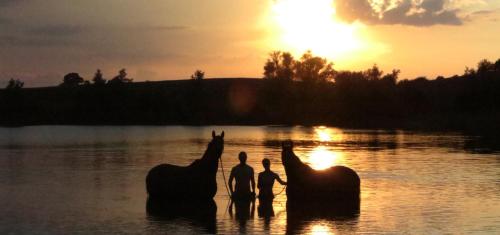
(90, 180)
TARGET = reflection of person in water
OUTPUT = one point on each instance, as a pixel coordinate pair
(266, 211)
(266, 181)
(244, 176)
(244, 211)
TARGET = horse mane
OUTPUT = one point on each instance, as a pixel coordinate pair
(293, 165)
(210, 158)
(209, 152)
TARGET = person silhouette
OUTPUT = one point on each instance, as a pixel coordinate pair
(244, 176)
(266, 181)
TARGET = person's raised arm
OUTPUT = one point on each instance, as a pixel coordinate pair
(280, 180)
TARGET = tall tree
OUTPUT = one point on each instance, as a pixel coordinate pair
(121, 78)
(374, 73)
(99, 78)
(198, 75)
(14, 84)
(72, 79)
(272, 65)
(313, 69)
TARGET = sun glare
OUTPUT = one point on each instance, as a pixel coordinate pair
(322, 158)
(312, 25)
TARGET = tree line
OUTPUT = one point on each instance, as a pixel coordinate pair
(320, 93)
(304, 91)
(74, 79)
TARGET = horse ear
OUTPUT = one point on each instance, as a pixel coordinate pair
(222, 134)
(213, 134)
(287, 144)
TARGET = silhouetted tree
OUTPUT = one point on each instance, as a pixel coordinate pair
(120, 78)
(72, 79)
(484, 67)
(99, 78)
(392, 77)
(198, 75)
(497, 65)
(374, 73)
(469, 72)
(313, 69)
(271, 66)
(14, 84)
(349, 77)
(285, 70)
(280, 65)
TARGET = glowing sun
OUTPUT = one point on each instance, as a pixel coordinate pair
(312, 25)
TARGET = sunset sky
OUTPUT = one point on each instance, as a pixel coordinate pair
(41, 40)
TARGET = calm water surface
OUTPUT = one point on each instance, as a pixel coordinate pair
(90, 180)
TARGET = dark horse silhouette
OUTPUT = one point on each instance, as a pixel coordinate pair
(305, 184)
(196, 182)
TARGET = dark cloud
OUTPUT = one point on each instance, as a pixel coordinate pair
(57, 30)
(491, 15)
(40, 36)
(4, 21)
(483, 12)
(406, 12)
(170, 28)
(19, 41)
(71, 35)
(7, 2)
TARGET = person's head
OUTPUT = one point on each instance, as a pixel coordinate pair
(243, 157)
(266, 163)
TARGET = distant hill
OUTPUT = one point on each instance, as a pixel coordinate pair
(453, 103)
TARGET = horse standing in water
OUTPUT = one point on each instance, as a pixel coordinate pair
(335, 184)
(196, 182)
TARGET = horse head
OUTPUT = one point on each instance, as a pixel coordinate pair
(287, 151)
(217, 144)
(294, 167)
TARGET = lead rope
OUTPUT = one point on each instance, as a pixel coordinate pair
(283, 189)
(224, 176)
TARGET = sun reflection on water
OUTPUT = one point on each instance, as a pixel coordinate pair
(320, 229)
(325, 134)
(322, 158)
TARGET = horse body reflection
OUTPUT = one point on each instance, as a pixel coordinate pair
(199, 213)
(302, 218)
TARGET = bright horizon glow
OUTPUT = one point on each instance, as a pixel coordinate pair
(311, 25)
(323, 134)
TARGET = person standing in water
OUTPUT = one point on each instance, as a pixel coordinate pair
(244, 176)
(266, 181)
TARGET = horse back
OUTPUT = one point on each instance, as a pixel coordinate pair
(180, 182)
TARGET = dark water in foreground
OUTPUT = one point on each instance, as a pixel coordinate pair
(90, 180)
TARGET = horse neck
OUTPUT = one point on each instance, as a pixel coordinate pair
(292, 163)
(210, 158)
